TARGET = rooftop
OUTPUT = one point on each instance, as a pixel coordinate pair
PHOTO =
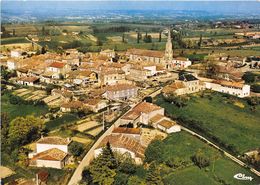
(121, 141)
(54, 140)
(167, 123)
(124, 130)
(120, 87)
(53, 154)
(143, 52)
(57, 65)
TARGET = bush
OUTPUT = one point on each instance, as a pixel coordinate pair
(76, 149)
(201, 160)
(154, 151)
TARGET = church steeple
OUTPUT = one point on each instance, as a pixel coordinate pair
(168, 49)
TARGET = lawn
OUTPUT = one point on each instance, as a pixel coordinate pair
(230, 123)
(61, 121)
(183, 146)
(21, 110)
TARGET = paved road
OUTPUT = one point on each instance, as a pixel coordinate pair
(233, 158)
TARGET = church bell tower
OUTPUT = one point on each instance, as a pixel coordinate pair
(168, 56)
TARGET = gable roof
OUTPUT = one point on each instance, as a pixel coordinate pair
(57, 64)
(124, 130)
(167, 123)
(120, 87)
(53, 154)
(54, 140)
(121, 141)
(144, 52)
(187, 77)
(72, 104)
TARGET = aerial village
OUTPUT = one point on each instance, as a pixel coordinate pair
(112, 93)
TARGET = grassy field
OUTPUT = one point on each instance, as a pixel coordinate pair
(61, 121)
(232, 124)
(21, 110)
(13, 40)
(183, 146)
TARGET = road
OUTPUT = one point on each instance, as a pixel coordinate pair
(233, 158)
(76, 177)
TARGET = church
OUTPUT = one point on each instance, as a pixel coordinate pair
(158, 57)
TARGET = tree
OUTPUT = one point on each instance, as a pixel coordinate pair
(147, 38)
(13, 32)
(160, 36)
(154, 151)
(201, 160)
(249, 77)
(139, 36)
(103, 168)
(120, 179)
(43, 50)
(5, 121)
(123, 37)
(153, 175)
(200, 41)
(76, 149)
(23, 130)
(43, 30)
(126, 164)
(135, 180)
(86, 177)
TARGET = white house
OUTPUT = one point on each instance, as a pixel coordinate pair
(168, 126)
(141, 113)
(181, 62)
(96, 104)
(129, 132)
(28, 81)
(120, 91)
(233, 88)
(16, 53)
(14, 64)
(51, 152)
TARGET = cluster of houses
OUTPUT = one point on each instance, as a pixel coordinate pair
(189, 83)
(129, 140)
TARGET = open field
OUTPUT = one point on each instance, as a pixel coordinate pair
(95, 132)
(13, 40)
(21, 110)
(86, 125)
(183, 145)
(221, 118)
(84, 141)
(61, 121)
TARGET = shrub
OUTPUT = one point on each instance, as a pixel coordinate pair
(201, 160)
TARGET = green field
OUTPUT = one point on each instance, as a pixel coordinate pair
(21, 110)
(231, 124)
(14, 40)
(183, 146)
(61, 121)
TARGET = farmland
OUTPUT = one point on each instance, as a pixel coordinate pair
(219, 116)
(183, 146)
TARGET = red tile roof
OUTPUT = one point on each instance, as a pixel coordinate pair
(54, 140)
(121, 141)
(57, 64)
(143, 52)
(120, 87)
(53, 154)
(124, 130)
(167, 123)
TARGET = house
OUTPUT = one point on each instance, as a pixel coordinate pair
(71, 106)
(181, 62)
(186, 84)
(120, 91)
(15, 64)
(128, 132)
(58, 68)
(83, 77)
(164, 124)
(111, 77)
(238, 89)
(142, 55)
(123, 145)
(168, 126)
(28, 81)
(17, 53)
(51, 152)
(96, 104)
(141, 113)
(22, 72)
(108, 53)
